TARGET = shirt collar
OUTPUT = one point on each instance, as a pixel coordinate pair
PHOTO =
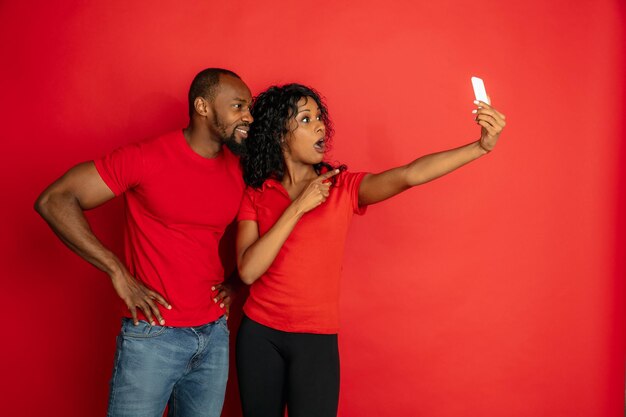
(273, 183)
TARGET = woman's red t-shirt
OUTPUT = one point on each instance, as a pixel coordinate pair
(300, 291)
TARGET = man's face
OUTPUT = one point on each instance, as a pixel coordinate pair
(231, 112)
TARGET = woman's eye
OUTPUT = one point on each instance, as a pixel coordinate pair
(305, 119)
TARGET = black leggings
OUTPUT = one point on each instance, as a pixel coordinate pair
(275, 368)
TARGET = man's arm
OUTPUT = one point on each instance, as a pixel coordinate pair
(62, 205)
(378, 187)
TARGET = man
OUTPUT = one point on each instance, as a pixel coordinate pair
(181, 191)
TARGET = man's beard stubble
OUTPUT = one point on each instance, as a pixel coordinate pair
(234, 146)
(230, 141)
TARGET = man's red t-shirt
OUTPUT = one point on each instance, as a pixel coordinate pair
(178, 205)
(300, 291)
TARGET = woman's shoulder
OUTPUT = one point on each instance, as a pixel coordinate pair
(346, 177)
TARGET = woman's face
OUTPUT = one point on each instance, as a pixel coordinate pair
(307, 134)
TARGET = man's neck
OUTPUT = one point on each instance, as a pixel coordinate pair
(202, 142)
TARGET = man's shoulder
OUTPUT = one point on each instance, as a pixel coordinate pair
(157, 147)
(161, 140)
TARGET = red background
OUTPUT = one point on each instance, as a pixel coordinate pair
(496, 291)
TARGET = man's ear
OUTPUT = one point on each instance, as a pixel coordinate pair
(201, 106)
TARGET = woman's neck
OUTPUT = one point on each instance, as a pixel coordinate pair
(296, 173)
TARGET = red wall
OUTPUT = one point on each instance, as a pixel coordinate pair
(496, 291)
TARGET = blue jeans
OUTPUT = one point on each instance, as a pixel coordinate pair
(183, 367)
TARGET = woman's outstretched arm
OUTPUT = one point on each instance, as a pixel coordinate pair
(378, 187)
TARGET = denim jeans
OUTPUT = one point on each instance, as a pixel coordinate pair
(183, 367)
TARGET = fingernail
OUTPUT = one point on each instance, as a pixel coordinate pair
(474, 111)
(222, 305)
(152, 323)
(162, 322)
(213, 288)
(136, 323)
(169, 307)
(476, 102)
(215, 300)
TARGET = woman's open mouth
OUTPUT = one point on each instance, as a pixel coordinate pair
(320, 145)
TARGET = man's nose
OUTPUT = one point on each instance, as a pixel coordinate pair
(247, 117)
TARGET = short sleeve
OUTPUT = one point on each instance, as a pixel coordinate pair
(247, 209)
(352, 182)
(122, 169)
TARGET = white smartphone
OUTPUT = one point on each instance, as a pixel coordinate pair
(479, 90)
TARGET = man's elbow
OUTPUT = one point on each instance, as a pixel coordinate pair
(42, 204)
(51, 201)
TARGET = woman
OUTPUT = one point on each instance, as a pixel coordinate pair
(293, 224)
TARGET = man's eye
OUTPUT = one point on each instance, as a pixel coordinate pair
(237, 106)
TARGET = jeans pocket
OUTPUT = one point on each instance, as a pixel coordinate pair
(223, 323)
(143, 330)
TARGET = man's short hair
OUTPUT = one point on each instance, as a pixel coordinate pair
(205, 85)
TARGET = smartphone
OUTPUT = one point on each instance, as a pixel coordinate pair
(479, 90)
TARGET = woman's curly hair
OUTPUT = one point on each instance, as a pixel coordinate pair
(272, 110)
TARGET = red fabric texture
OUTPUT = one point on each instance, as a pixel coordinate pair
(300, 291)
(178, 205)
